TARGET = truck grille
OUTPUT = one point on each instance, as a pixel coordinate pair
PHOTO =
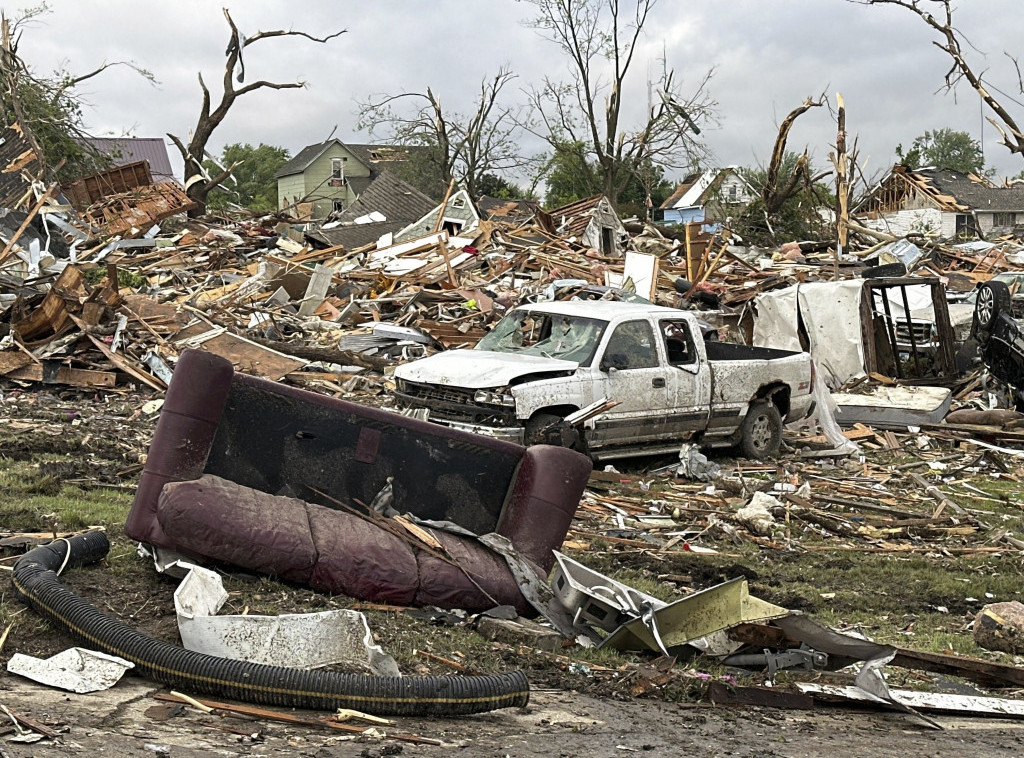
(453, 404)
(922, 332)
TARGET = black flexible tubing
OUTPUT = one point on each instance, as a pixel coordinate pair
(35, 579)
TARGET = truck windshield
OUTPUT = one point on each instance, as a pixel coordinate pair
(570, 338)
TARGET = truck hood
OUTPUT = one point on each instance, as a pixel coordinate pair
(478, 369)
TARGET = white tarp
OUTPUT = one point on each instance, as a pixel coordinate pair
(300, 640)
(830, 312)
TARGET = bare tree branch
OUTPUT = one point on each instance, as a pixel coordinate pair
(209, 120)
(951, 43)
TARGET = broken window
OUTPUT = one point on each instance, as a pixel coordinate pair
(570, 338)
(1004, 219)
(338, 169)
(632, 346)
(678, 343)
(607, 241)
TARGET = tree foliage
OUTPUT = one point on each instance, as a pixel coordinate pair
(449, 146)
(48, 107)
(600, 38)
(803, 214)
(570, 177)
(944, 148)
(252, 184)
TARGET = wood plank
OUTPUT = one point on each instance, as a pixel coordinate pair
(76, 377)
(12, 361)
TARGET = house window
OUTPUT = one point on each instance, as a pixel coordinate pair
(1004, 219)
(339, 206)
(733, 193)
(965, 226)
(338, 168)
(452, 225)
(459, 202)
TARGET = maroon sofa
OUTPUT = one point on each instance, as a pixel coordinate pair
(251, 472)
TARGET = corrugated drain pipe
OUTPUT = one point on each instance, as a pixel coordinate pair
(35, 579)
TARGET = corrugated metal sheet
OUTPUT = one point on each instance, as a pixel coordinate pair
(20, 166)
(125, 150)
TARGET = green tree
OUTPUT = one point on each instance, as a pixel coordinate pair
(49, 108)
(497, 186)
(570, 176)
(803, 213)
(253, 184)
(944, 148)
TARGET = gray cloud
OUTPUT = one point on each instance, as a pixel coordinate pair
(768, 55)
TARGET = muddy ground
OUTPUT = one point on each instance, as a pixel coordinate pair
(97, 442)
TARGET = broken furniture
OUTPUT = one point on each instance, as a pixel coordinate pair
(233, 454)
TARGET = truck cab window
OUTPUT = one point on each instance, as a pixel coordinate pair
(631, 346)
(678, 343)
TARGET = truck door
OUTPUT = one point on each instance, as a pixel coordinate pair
(634, 376)
(688, 381)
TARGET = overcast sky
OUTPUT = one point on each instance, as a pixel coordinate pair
(768, 56)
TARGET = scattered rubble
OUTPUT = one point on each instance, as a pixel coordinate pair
(105, 291)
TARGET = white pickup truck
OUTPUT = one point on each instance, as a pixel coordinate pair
(543, 363)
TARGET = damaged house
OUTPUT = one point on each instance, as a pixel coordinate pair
(941, 202)
(594, 223)
(713, 195)
(331, 175)
(386, 206)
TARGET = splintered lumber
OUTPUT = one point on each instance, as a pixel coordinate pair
(9, 247)
(285, 718)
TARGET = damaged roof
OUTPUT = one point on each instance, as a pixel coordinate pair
(125, 150)
(975, 192)
(577, 216)
(370, 156)
(507, 211)
(392, 197)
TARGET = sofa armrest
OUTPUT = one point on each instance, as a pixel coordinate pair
(542, 501)
(183, 437)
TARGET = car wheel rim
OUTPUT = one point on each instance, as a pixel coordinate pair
(761, 433)
(985, 304)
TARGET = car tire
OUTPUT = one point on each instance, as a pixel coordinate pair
(993, 299)
(569, 437)
(761, 431)
(886, 269)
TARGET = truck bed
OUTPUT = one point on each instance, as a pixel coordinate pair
(727, 351)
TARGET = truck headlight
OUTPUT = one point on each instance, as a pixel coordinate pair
(494, 398)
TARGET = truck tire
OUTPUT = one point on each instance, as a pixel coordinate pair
(551, 429)
(993, 299)
(761, 431)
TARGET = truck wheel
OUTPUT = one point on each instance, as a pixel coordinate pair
(761, 431)
(551, 429)
(993, 299)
